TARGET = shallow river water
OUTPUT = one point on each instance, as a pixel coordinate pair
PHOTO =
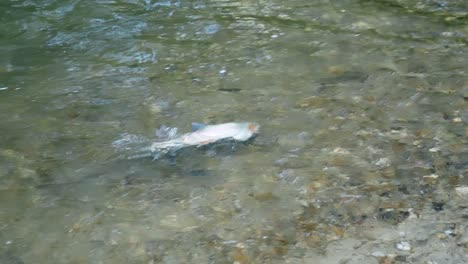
(361, 156)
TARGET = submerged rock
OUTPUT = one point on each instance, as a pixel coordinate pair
(462, 191)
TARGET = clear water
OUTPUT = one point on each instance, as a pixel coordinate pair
(361, 158)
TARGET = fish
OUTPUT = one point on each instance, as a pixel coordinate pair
(202, 135)
(207, 134)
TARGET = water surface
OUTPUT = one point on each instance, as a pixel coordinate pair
(361, 158)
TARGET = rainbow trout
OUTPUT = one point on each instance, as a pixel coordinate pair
(202, 135)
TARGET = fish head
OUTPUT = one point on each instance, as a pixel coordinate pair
(253, 127)
(245, 130)
(252, 130)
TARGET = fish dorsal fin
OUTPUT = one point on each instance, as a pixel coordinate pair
(198, 126)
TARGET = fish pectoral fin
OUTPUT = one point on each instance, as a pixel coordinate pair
(198, 126)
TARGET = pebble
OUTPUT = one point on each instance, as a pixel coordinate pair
(383, 162)
(431, 176)
(361, 25)
(240, 245)
(412, 215)
(155, 109)
(211, 29)
(26, 173)
(449, 232)
(341, 151)
(336, 69)
(457, 120)
(378, 254)
(403, 246)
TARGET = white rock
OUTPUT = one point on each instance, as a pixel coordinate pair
(412, 215)
(378, 254)
(383, 162)
(448, 232)
(432, 176)
(462, 190)
(241, 245)
(341, 151)
(403, 246)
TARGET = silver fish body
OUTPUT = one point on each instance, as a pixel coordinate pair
(207, 134)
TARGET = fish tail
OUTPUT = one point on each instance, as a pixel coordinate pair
(167, 146)
(141, 153)
(157, 150)
(135, 147)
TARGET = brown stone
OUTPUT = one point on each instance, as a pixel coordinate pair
(264, 196)
(239, 256)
